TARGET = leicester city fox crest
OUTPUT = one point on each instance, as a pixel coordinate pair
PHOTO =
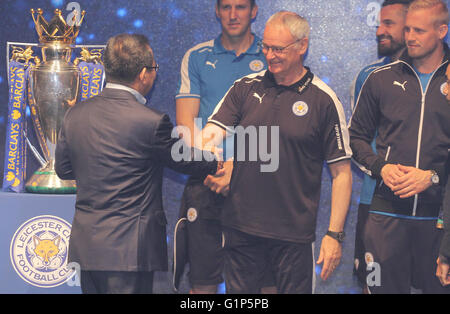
(300, 108)
(39, 251)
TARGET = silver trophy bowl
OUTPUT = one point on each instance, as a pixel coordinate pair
(54, 87)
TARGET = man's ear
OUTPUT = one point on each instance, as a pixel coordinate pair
(142, 74)
(443, 30)
(254, 11)
(304, 42)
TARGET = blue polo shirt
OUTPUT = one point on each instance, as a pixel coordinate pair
(368, 186)
(208, 70)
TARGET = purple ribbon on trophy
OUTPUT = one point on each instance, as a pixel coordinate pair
(92, 73)
(15, 146)
(50, 87)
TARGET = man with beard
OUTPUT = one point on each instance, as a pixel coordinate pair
(207, 71)
(390, 44)
(405, 104)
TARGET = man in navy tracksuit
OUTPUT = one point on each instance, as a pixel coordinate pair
(391, 45)
(405, 102)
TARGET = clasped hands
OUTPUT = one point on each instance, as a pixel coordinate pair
(220, 181)
(405, 181)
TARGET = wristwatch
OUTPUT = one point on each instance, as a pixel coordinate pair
(339, 236)
(434, 177)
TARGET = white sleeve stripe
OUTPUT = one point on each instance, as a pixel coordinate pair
(384, 67)
(369, 67)
(340, 110)
(363, 169)
(187, 96)
(253, 75)
(219, 104)
(185, 87)
(338, 159)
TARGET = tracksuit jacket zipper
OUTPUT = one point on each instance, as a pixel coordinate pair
(422, 112)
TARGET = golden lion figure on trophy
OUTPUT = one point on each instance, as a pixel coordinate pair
(26, 55)
(93, 56)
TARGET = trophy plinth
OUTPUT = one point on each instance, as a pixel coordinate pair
(54, 87)
(45, 181)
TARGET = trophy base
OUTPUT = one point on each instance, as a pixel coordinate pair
(47, 182)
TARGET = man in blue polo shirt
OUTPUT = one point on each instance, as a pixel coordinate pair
(208, 70)
(390, 45)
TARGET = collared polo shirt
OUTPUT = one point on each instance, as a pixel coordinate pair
(208, 70)
(281, 204)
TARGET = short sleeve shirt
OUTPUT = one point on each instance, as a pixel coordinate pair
(208, 70)
(297, 128)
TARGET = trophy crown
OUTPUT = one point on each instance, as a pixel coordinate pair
(57, 30)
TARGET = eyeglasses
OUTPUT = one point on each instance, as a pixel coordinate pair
(275, 49)
(156, 67)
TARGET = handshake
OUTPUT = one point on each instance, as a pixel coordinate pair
(220, 181)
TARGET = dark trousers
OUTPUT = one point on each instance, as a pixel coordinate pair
(249, 259)
(116, 282)
(360, 266)
(406, 251)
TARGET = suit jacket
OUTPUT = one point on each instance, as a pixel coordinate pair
(115, 148)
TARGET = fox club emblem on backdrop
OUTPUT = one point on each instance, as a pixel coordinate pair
(39, 250)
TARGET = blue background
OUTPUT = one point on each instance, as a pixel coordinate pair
(342, 41)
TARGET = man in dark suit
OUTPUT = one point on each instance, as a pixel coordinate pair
(115, 148)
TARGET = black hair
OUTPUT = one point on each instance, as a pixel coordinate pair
(125, 57)
(252, 3)
(391, 2)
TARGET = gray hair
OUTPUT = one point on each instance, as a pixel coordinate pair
(297, 25)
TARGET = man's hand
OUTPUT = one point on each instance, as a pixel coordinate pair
(442, 272)
(413, 182)
(330, 256)
(390, 173)
(220, 182)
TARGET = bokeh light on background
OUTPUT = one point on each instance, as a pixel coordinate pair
(342, 42)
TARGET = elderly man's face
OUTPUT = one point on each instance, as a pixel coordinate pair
(289, 60)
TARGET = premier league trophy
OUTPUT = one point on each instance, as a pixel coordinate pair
(54, 85)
